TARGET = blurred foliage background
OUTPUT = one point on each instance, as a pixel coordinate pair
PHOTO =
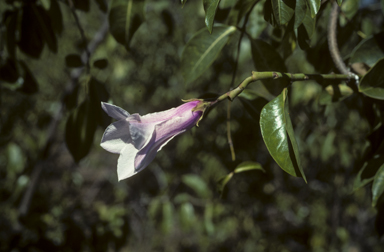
(52, 200)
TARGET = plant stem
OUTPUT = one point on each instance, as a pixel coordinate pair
(277, 75)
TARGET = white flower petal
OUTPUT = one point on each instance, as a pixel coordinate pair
(141, 133)
(125, 164)
(114, 111)
(116, 136)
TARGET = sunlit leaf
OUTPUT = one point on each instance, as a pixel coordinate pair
(283, 10)
(248, 166)
(202, 49)
(73, 60)
(314, 6)
(125, 17)
(79, 131)
(210, 8)
(265, 58)
(372, 84)
(370, 50)
(378, 185)
(197, 184)
(277, 131)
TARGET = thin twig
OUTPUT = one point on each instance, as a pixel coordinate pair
(332, 40)
(83, 38)
(230, 143)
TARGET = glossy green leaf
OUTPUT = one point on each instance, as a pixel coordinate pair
(210, 8)
(197, 184)
(300, 12)
(369, 51)
(277, 132)
(378, 185)
(125, 17)
(372, 84)
(314, 6)
(73, 60)
(283, 10)
(265, 58)
(202, 49)
(248, 166)
(79, 131)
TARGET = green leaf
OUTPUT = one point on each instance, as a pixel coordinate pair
(10, 20)
(73, 60)
(82, 5)
(359, 181)
(197, 184)
(45, 27)
(369, 170)
(97, 94)
(277, 132)
(79, 131)
(300, 12)
(265, 58)
(283, 10)
(100, 63)
(372, 84)
(125, 17)
(339, 2)
(378, 185)
(8, 71)
(56, 16)
(210, 8)
(314, 6)
(248, 166)
(309, 24)
(223, 181)
(30, 41)
(370, 50)
(202, 49)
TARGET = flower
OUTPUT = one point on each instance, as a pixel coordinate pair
(138, 138)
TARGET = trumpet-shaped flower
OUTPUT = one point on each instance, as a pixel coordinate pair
(138, 138)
